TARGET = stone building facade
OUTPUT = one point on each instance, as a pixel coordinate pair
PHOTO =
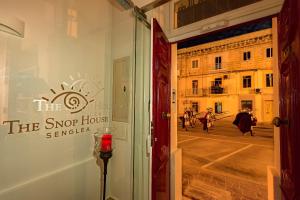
(228, 75)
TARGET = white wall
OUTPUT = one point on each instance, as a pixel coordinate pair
(163, 16)
(274, 191)
(58, 47)
(121, 165)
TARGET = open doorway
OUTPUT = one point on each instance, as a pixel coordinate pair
(220, 75)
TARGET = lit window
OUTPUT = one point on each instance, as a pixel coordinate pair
(269, 80)
(218, 62)
(246, 104)
(269, 52)
(195, 64)
(246, 81)
(247, 55)
(195, 107)
(218, 107)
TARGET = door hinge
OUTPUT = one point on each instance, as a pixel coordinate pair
(152, 134)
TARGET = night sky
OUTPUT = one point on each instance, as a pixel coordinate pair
(231, 32)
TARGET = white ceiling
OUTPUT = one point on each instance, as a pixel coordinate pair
(141, 3)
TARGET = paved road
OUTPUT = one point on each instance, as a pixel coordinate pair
(224, 164)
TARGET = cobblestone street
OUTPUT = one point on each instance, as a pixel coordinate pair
(224, 164)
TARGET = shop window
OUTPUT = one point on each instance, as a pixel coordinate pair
(195, 106)
(269, 80)
(195, 64)
(246, 81)
(218, 107)
(247, 55)
(195, 86)
(246, 104)
(269, 52)
(218, 62)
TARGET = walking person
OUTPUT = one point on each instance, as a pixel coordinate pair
(205, 121)
(182, 121)
(244, 121)
(186, 120)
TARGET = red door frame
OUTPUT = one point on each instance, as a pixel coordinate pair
(289, 59)
(289, 94)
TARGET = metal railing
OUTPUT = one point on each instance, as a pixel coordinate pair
(201, 92)
(217, 90)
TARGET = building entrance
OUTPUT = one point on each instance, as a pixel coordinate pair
(222, 160)
(268, 110)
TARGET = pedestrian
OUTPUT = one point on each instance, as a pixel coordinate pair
(244, 121)
(186, 120)
(204, 121)
(183, 121)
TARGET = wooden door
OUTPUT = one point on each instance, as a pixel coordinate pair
(161, 97)
(268, 110)
(289, 86)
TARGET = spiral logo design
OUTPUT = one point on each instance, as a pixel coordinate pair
(72, 101)
(76, 96)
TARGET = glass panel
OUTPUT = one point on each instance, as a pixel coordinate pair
(142, 118)
(190, 11)
(269, 80)
(218, 107)
(195, 64)
(55, 94)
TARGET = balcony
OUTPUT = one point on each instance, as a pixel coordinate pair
(217, 90)
(221, 68)
(190, 72)
(196, 92)
(203, 92)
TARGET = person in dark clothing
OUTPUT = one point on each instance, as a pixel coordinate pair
(205, 128)
(183, 121)
(243, 121)
(204, 122)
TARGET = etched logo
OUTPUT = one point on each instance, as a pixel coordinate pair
(73, 97)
